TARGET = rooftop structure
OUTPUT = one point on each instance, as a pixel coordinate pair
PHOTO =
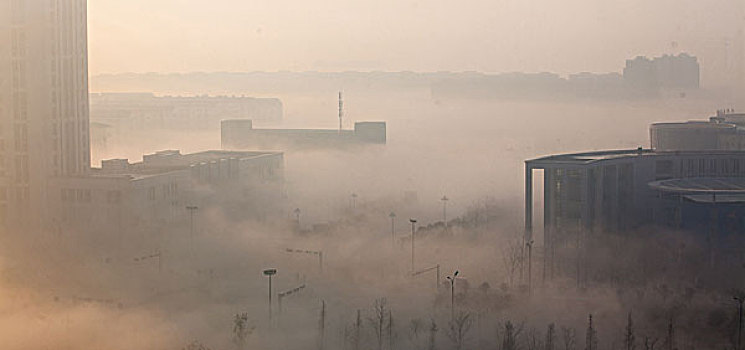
(725, 131)
(240, 134)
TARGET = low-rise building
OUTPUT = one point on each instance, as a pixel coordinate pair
(156, 191)
(240, 134)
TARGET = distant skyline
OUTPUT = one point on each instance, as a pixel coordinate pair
(392, 35)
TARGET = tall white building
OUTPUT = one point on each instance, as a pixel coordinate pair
(44, 123)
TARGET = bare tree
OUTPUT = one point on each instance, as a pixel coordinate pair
(195, 345)
(378, 319)
(569, 338)
(591, 338)
(391, 335)
(458, 329)
(511, 332)
(432, 334)
(416, 328)
(353, 333)
(670, 336)
(534, 340)
(241, 330)
(512, 255)
(550, 337)
(629, 339)
(649, 343)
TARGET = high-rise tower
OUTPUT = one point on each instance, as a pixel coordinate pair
(44, 123)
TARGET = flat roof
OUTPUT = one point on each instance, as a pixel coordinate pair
(702, 185)
(585, 158)
(588, 157)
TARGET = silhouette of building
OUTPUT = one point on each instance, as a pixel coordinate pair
(132, 112)
(669, 72)
(240, 134)
(44, 123)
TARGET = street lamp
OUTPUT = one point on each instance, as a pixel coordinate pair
(392, 215)
(413, 229)
(354, 200)
(157, 255)
(191, 209)
(436, 267)
(530, 261)
(452, 294)
(269, 273)
(445, 200)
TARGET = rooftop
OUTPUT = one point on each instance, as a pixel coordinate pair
(585, 158)
(702, 186)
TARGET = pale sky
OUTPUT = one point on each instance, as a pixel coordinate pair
(561, 36)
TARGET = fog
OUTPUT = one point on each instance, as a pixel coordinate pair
(417, 242)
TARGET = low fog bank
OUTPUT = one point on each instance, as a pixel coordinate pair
(168, 290)
(89, 295)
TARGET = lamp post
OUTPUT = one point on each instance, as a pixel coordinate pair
(392, 215)
(445, 200)
(297, 216)
(354, 201)
(191, 209)
(155, 255)
(269, 273)
(436, 267)
(530, 266)
(452, 294)
(413, 231)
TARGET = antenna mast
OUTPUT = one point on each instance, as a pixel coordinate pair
(341, 111)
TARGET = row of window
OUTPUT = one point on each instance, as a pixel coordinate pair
(19, 194)
(701, 167)
(85, 196)
(167, 191)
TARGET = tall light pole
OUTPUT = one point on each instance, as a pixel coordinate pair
(445, 200)
(530, 266)
(739, 298)
(452, 294)
(436, 267)
(191, 209)
(269, 273)
(413, 231)
(353, 201)
(297, 216)
(392, 215)
(155, 255)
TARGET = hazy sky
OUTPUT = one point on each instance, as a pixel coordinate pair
(486, 35)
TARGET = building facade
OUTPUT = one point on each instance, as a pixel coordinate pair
(155, 192)
(668, 72)
(44, 123)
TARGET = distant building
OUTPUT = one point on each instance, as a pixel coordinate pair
(668, 72)
(240, 134)
(725, 131)
(155, 192)
(44, 122)
(688, 175)
(147, 112)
